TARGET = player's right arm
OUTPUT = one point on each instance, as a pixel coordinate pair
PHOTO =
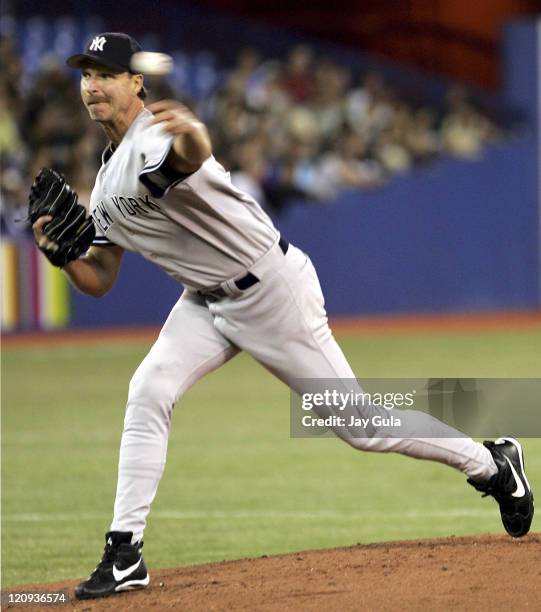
(95, 273)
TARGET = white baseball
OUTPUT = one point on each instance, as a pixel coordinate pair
(148, 62)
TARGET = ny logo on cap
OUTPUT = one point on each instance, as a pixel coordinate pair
(97, 43)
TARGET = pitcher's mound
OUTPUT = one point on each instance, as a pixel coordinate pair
(467, 573)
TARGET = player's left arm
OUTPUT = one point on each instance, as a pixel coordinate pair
(191, 142)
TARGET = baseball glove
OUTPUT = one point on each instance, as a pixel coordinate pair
(70, 228)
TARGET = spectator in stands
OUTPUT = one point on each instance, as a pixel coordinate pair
(392, 154)
(367, 109)
(265, 90)
(159, 88)
(422, 138)
(349, 165)
(248, 62)
(13, 209)
(250, 169)
(10, 140)
(464, 130)
(298, 76)
(11, 76)
(328, 102)
(52, 122)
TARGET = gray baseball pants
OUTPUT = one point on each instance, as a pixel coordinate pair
(281, 322)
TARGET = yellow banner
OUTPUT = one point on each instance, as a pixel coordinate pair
(10, 285)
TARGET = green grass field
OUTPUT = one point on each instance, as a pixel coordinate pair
(236, 484)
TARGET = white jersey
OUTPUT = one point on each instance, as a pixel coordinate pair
(198, 228)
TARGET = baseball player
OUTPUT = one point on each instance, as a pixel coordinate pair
(161, 193)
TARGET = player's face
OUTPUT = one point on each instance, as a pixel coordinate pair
(108, 95)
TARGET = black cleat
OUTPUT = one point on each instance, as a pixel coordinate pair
(509, 487)
(121, 568)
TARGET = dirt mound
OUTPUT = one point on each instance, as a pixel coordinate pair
(482, 572)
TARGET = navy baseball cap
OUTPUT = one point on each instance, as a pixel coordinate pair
(111, 49)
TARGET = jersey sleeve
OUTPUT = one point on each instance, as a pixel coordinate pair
(100, 239)
(157, 175)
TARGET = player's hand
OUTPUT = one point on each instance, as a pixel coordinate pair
(175, 118)
(41, 239)
(191, 142)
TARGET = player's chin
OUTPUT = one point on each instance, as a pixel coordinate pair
(99, 111)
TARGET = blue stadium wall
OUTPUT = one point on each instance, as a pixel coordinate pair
(458, 236)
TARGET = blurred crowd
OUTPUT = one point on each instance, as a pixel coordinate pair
(304, 128)
(301, 127)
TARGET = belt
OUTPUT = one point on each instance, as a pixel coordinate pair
(247, 281)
